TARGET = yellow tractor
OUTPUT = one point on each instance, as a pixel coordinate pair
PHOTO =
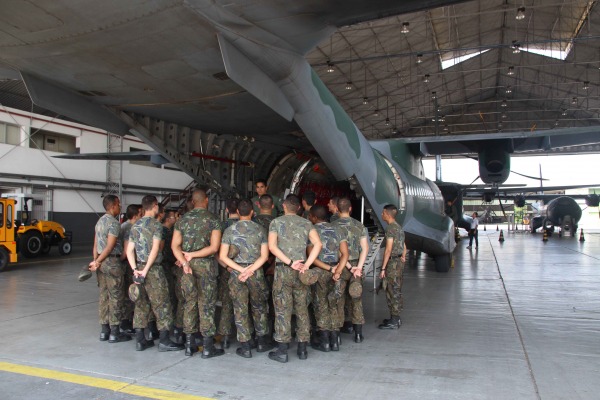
(8, 244)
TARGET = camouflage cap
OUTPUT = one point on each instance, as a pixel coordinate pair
(85, 273)
(233, 251)
(134, 292)
(309, 277)
(355, 290)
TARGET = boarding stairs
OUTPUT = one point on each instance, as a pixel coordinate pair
(375, 246)
(177, 200)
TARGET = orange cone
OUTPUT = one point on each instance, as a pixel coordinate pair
(581, 238)
(501, 238)
(496, 228)
(545, 238)
(484, 228)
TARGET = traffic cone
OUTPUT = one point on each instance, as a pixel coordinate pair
(484, 228)
(501, 238)
(560, 233)
(497, 228)
(581, 238)
(545, 238)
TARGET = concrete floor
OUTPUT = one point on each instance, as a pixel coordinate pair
(517, 320)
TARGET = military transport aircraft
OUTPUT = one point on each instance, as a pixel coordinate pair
(169, 71)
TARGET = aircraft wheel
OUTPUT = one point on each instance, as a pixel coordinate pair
(65, 247)
(31, 244)
(443, 263)
(3, 258)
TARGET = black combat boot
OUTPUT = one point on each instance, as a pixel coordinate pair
(116, 335)
(334, 341)
(323, 342)
(178, 335)
(199, 339)
(358, 336)
(190, 344)
(209, 350)
(152, 331)
(264, 344)
(104, 332)
(244, 351)
(225, 341)
(280, 355)
(141, 343)
(302, 353)
(165, 343)
(347, 328)
(392, 323)
(314, 338)
(127, 327)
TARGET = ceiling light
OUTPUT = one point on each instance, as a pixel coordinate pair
(556, 123)
(330, 67)
(574, 100)
(419, 58)
(504, 103)
(443, 118)
(434, 95)
(586, 85)
(387, 122)
(564, 112)
(504, 116)
(395, 130)
(520, 13)
(348, 85)
(365, 100)
(516, 47)
(426, 78)
(405, 28)
(499, 125)
(445, 128)
(376, 113)
(508, 89)
(511, 70)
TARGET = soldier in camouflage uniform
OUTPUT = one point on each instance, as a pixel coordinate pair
(308, 200)
(145, 258)
(261, 189)
(332, 206)
(264, 219)
(196, 240)
(225, 325)
(392, 268)
(173, 276)
(109, 270)
(332, 257)
(247, 283)
(288, 237)
(132, 215)
(358, 247)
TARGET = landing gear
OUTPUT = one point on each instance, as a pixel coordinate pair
(443, 263)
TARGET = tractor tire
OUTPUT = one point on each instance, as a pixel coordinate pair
(45, 248)
(65, 247)
(31, 244)
(3, 258)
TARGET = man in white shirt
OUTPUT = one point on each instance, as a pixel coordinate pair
(473, 232)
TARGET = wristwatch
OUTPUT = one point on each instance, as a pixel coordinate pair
(290, 263)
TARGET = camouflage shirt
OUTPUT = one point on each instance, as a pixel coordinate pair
(264, 220)
(143, 233)
(167, 235)
(334, 217)
(196, 228)
(394, 231)
(353, 231)
(248, 236)
(125, 230)
(107, 226)
(292, 235)
(331, 238)
(277, 209)
(229, 222)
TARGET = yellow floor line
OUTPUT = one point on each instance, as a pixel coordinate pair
(121, 387)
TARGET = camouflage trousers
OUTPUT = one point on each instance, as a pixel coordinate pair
(249, 297)
(324, 302)
(355, 307)
(200, 292)
(110, 282)
(225, 326)
(289, 294)
(178, 310)
(393, 292)
(128, 305)
(171, 279)
(154, 298)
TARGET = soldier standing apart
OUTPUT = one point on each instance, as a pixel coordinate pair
(393, 266)
(196, 240)
(332, 257)
(132, 215)
(109, 270)
(247, 282)
(358, 246)
(288, 236)
(225, 325)
(333, 209)
(145, 258)
(261, 189)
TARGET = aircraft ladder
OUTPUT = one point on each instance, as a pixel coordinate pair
(369, 266)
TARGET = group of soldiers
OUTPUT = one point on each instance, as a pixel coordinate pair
(269, 261)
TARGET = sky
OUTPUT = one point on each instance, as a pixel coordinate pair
(558, 169)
